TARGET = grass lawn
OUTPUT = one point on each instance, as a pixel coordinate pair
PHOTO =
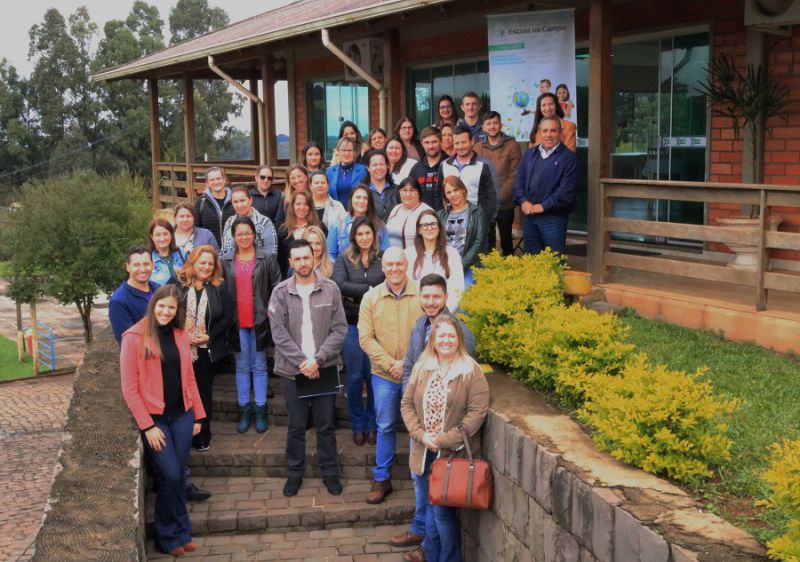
(10, 368)
(768, 384)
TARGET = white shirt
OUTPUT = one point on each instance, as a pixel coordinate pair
(402, 224)
(404, 171)
(455, 283)
(545, 153)
(306, 333)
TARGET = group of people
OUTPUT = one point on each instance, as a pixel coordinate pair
(357, 264)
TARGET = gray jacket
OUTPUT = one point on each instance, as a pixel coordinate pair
(327, 318)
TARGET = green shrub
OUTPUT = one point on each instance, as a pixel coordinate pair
(783, 479)
(666, 422)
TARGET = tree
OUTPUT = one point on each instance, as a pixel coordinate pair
(19, 138)
(69, 237)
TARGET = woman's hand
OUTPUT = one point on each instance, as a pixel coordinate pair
(429, 440)
(199, 339)
(196, 428)
(155, 439)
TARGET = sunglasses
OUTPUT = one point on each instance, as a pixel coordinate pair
(265, 178)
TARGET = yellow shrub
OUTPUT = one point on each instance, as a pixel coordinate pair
(783, 478)
(666, 422)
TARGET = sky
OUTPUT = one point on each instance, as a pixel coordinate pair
(14, 29)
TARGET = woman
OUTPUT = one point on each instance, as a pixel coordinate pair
(297, 180)
(402, 222)
(562, 93)
(361, 204)
(349, 130)
(465, 226)
(322, 259)
(377, 139)
(431, 254)
(311, 157)
(250, 276)
(187, 235)
(446, 112)
(167, 259)
(299, 216)
(380, 183)
(406, 130)
(347, 174)
(547, 105)
(356, 271)
(160, 390)
(328, 209)
(399, 163)
(447, 389)
(447, 140)
(208, 319)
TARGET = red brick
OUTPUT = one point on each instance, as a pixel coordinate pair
(776, 169)
(720, 168)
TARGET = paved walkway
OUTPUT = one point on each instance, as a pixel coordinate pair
(32, 414)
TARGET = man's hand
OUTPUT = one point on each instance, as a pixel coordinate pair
(396, 370)
(310, 368)
(538, 209)
(527, 208)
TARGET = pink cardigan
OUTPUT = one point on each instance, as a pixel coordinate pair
(142, 384)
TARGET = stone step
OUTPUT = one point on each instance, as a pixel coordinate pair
(246, 504)
(324, 545)
(263, 454)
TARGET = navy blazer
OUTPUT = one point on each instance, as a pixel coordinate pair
(550, 182)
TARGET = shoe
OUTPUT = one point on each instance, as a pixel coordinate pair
(333, 484)
(416, 555)
(359, 438)
(244, 417)
(190, 547)
(379, 491)
(177, 551)
(261, 418)
(406, 539)
(372, 437)
(202, 447)
(292, 486)
(195, 494)
(270, 392)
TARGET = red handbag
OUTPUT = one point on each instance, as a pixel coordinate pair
(457, 482)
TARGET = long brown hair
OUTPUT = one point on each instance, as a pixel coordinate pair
(150, 341)
(372, 212)
(353, 252)
(163, 223)
(439, 252)
(291, 219)
(186, 273)
(288, 191)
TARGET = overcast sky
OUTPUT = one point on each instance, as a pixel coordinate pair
(19, 19)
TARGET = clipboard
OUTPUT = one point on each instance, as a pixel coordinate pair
(328, 383)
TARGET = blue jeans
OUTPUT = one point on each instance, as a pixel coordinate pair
(442, 530)
(469, 278)
(173, 528)
(544, 230)
(250, 359)
(362, 417)
(387, 415)
(420, 504)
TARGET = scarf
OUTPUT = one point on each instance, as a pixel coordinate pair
(196, 315)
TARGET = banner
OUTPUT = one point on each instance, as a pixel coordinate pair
(529, 54)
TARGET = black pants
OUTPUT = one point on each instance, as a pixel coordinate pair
(504, 223)
(204, 375)
(298, 410)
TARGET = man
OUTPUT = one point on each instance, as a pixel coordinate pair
(214, 207)
(545, 85)
(426, 171)
(504, 153)
(387, 316)
(433, 300)
(471, 107)
(128, 305)
(545, 190)
(308, 327)
(474, 171)
(266, 236)
(266, 200)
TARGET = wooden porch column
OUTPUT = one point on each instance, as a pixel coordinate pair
(599, 132)
(392, 77)
(155, 142)
(189, 138)
(254, 139)
(268, 84)
(289, 56)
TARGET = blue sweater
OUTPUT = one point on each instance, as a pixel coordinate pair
(550, 182)
(127, 306)
(358, 172)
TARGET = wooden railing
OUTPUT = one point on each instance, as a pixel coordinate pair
(760, 236)
(174, 186)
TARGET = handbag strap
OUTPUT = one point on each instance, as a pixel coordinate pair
(466, 441)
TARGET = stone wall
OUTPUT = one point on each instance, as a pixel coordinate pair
(95, 509)
(557, 499)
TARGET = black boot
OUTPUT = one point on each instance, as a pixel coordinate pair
(244, 417)
(261, 418)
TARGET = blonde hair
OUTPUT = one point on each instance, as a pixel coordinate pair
(325, 263)
(186, 273)
(429, 353)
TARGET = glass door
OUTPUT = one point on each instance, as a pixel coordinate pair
(332, 103)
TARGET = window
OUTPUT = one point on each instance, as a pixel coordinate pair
(331, 104)
(426, 85)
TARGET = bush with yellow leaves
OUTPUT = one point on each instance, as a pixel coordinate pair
(783, 479)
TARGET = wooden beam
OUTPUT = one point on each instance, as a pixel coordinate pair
(782, 282)
(292, 107)
(155, 140)
(189, 136)
(268, 83)
(701, 195)
(783, 240)
(254, 140)
(392, 76)
(599, 132)
(763, 253)
(726, 235)
(695, 270)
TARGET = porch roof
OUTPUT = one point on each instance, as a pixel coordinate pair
(292, 20)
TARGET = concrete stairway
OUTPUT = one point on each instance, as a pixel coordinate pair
(248, 518)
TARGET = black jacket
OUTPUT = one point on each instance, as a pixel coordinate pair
(354, 282)
(269, 204)
(428, 179)
(218, 318)
(210, 216)
(266, 275)
(385, 202)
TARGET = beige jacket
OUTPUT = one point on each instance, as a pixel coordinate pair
(467, 405)
(385, 323)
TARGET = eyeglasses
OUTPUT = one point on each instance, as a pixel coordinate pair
(429, 226)
(268, 178)
(346, 150)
